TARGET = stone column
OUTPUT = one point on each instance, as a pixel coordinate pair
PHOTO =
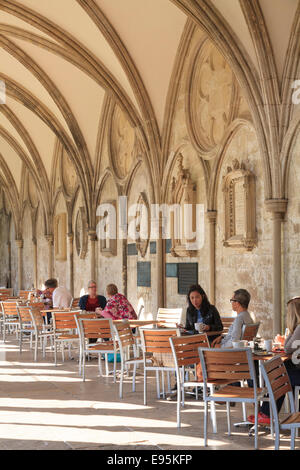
(212, 217)
(9, 263)
(71, 263)
(277, 207)
(20, 245)
(93, 241)
(160, 249)
(50, 240)
(35, 261)
(124, 267)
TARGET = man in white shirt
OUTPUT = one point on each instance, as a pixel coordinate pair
(61, 297)
(240, 302)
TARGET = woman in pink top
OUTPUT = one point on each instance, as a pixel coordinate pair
(117, 307)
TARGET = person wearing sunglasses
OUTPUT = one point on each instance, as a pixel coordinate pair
(240, 302)
(92, 301)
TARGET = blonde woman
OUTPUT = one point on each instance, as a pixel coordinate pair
(291, 345)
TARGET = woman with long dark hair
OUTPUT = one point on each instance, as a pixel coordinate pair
(200, 310)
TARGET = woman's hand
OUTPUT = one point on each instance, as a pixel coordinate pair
(216, 342)
(206, 328)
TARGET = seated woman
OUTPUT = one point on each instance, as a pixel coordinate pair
(92, 301)
(200, 310)
(117, 307)
(291, 344)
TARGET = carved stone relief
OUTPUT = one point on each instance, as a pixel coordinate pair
(212, 100)
(107, 228)
(81, 233)
(122, 143)
(240, 212)
(183, 218)
(143, 226)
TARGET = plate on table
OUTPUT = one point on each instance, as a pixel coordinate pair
(261, 353)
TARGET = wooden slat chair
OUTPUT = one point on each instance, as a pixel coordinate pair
(278, 384)
(82, 315)
(249, 332)
(26, 325)
(64, 325)
(10, 317)
(126, 342)
(103, 331)
(26, 294)
(227, 322)
(170, 317)
(185, 352)
(41, 331)
(234, 366)
(156, 342)
(7, 292)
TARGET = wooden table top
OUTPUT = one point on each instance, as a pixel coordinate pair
(141, 322)
(265, 357)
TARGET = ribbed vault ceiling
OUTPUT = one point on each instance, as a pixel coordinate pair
(65, 56)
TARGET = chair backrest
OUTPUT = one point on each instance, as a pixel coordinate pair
(170, 316)
(37, 317)
(227, 322)
(157, 341)
(24, 314)
(25, 294)
(124, 334)
(250, 331)
(78, 315)
(185, 348)
(277, 382)
(8, 292)
(97, 328)
(227, 364)
(10, 308)
(75, 302)
(63, 321)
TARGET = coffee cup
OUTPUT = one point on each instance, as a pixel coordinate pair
(199, 327)
(268, 345)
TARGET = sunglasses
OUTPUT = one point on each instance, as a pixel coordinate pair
(233, 300)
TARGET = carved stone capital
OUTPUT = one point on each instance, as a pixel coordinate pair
(93, 235)
(277, 207)
(211, 216)
(50, 239)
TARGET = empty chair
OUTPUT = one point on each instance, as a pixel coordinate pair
(250, 331)
(26, 294)
(10, 317)
(103, 331)
(170, 317)
(64, 325)
(126, 343)
(81, 315)
(278, 384)
(156, 342)
(185, 352)
(41, 331)
(26, 325)
(6, 291)
(232, 366)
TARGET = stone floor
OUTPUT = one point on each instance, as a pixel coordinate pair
(48, 407)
